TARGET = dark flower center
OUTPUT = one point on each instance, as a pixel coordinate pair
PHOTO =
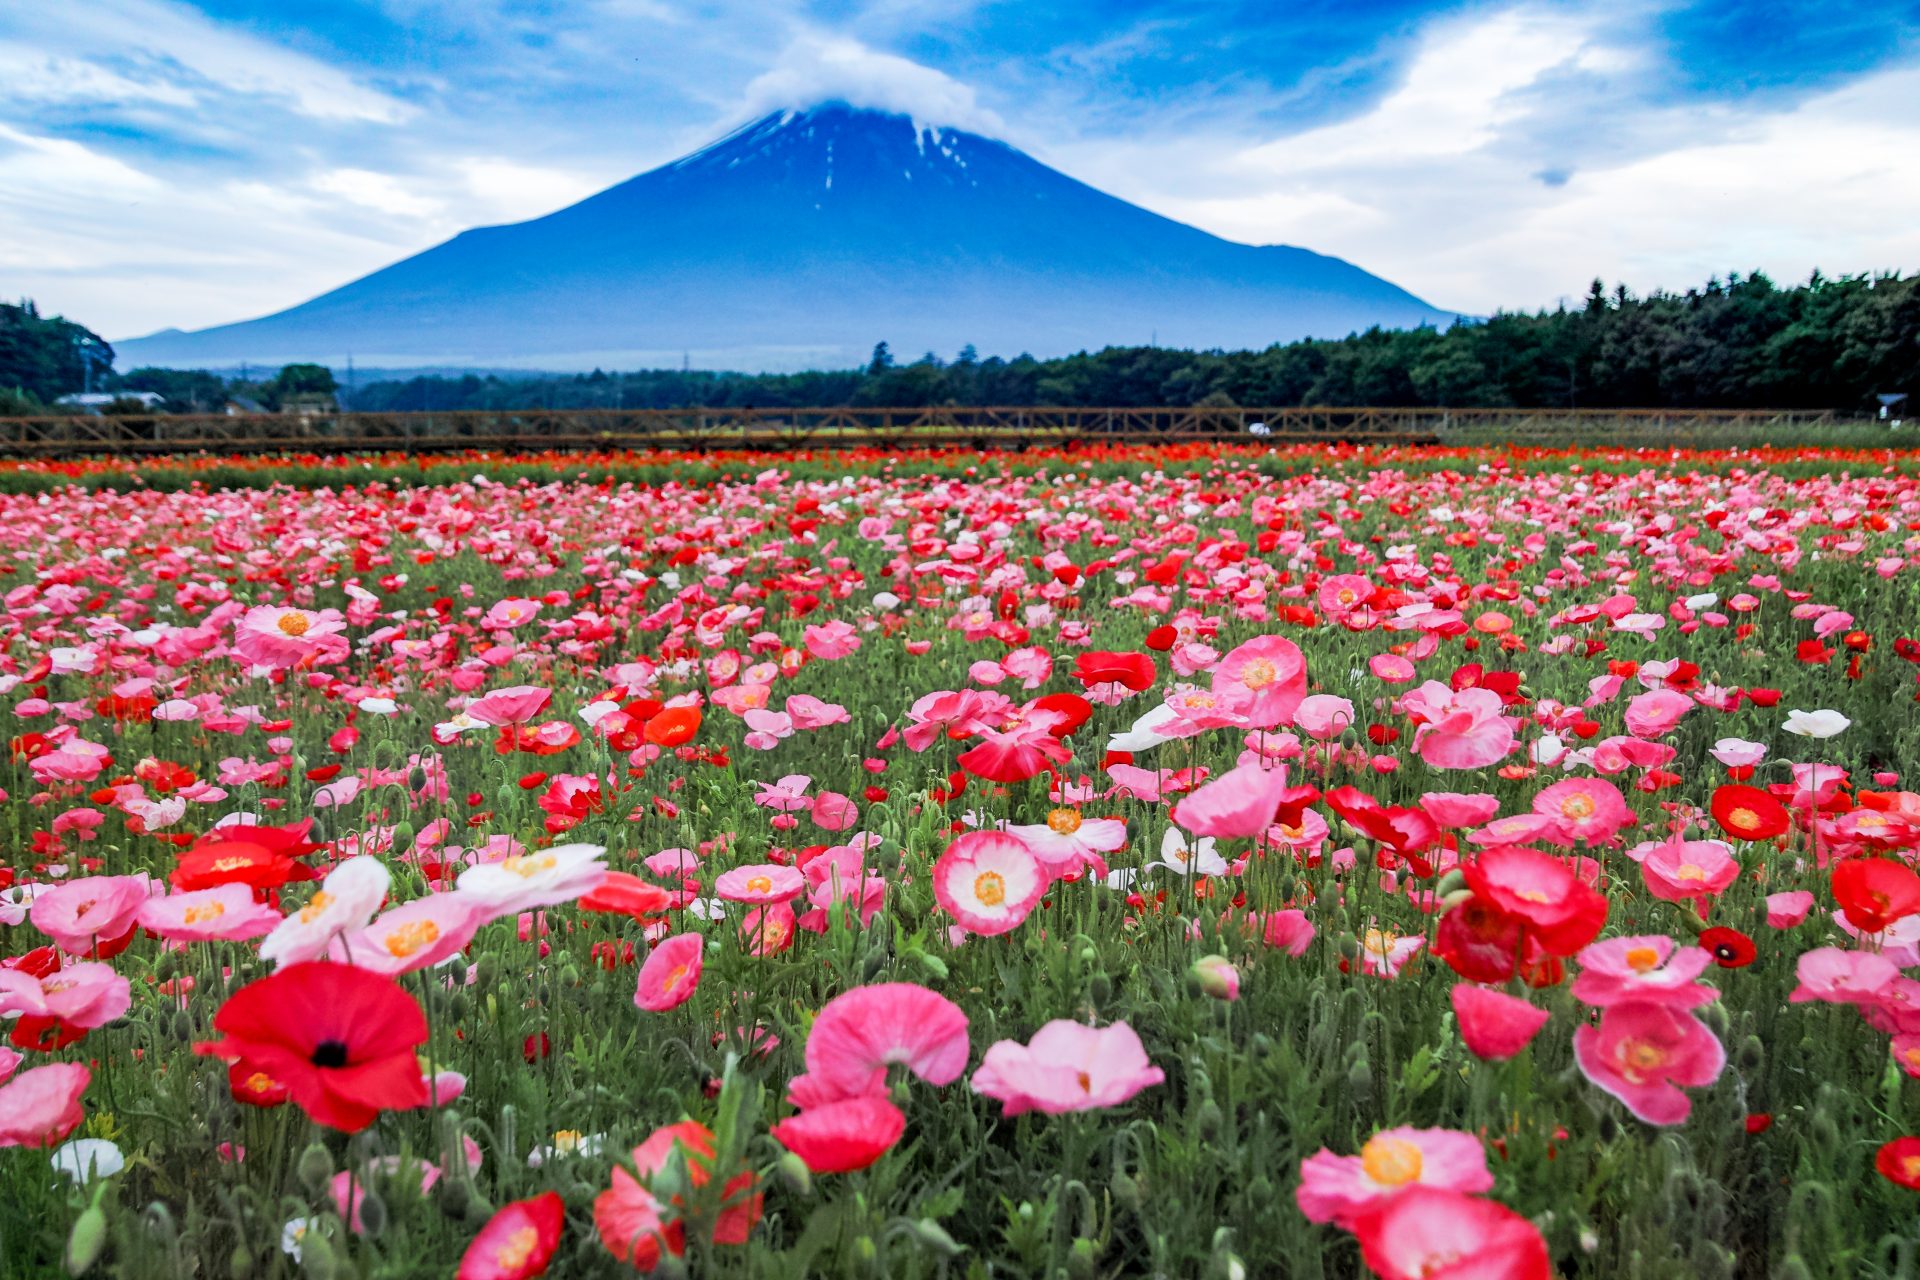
(329, 1053)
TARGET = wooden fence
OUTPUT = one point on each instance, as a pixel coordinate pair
(830, 428)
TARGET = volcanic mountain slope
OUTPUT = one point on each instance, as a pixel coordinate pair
(799, 241)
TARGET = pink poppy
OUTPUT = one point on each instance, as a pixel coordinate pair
(414, 935)
(1021, 746)
(1430, 1233)
(1289, 930)
(224, 913)
(1642, 1053)
(671, 974)
(1067, 1066)
(1391, 668)
(1834, 976)
(1494, 1025)
(988, 881)
(833, 811)
(1322, 716)
(1452, 809)
(760, 882)
(85, 995)
(1264, 680)
(280, 639)
(1656, 712)
(808, 712)
(516, 705)
(1069, 841)
(1648, 967)
(841, 1137)
(1243, 801)
(84, 914)
(836, 639)
(1785, 910)
(1460, 729)
(1689, 870)
(41, 1106)
(767, 930)
(939, 715)
(789, 795)
(505, 615)
(861, 1032)
(1343, 1189)
(1584, 811)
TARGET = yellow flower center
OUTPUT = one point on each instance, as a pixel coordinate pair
(1577, 807)
(293, 624)
(409, 938)
(1642, 959)
(1258, 674)
(760, 884)
(260, 1082)
(1639, 1059)
(1690, 871)
(1391, 1162)
(567, 1139)
(1064, 821)
(1744, 820)
(231, 864)
(990, 888)
(516, 1249)
(527, 866)
(318, 903)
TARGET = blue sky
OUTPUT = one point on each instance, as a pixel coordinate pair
(173, 163)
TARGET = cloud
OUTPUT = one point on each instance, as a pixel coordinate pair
(1522, 154)
(819, 68)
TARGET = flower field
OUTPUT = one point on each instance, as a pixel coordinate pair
(1178, 862)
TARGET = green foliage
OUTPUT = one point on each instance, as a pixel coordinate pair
(45, 357)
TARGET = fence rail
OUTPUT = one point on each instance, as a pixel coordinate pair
(707, 428)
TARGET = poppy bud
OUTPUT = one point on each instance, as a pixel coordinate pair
(1100, 988)
(1752, 1054)
(794, 1174)
(240, 1263)
(1215, 976)
(373, 1210)
(934, 965)
(317, 1258)
(932, 1235)
(315, 1167)
(86, 1240)
(1083, 1257)
(1126, 1191)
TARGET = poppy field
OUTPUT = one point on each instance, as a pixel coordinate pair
(1254, 862)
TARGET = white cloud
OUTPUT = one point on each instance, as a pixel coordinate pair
(817, 68)
(172, 45)
(1437, 187)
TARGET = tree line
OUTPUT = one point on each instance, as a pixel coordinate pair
(1741, 342)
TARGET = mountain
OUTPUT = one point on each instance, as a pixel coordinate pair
(801, 240)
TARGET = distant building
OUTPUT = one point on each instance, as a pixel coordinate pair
(241, 406)
(94, 401)
(308, 404)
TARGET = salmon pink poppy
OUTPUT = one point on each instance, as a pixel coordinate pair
(621, 893)
(671, 974)
(1495, 1025)
(517, 1242)
(844, 1136)
(1066, 1066)
(861, 1032)
(87, 914)
(1019, 748)
(1431, 1233)
(518, 704)
(1873, 893)
(1559, 910)
(673, 726)
(1689, 870)
(1789, 908)
(1264, 680)
(637, 1228)
(414, 935)
(1642, 1053)
(1343, 1189)
(40, 1106)
(1836, 976)
(988, 881)
(340, 1039)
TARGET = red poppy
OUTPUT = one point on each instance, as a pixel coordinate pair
(1075, 708)
(840, 1137)
(340, 1039)
(262, 857)
(1134, 671)
(1162, 638)
(1731, 948)
(1899, 1162)
(1402, 831)
(517, 1242)
(1561, 912)
(673, 726)
(1748, 813)
(1875, 892)
(624, 894)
